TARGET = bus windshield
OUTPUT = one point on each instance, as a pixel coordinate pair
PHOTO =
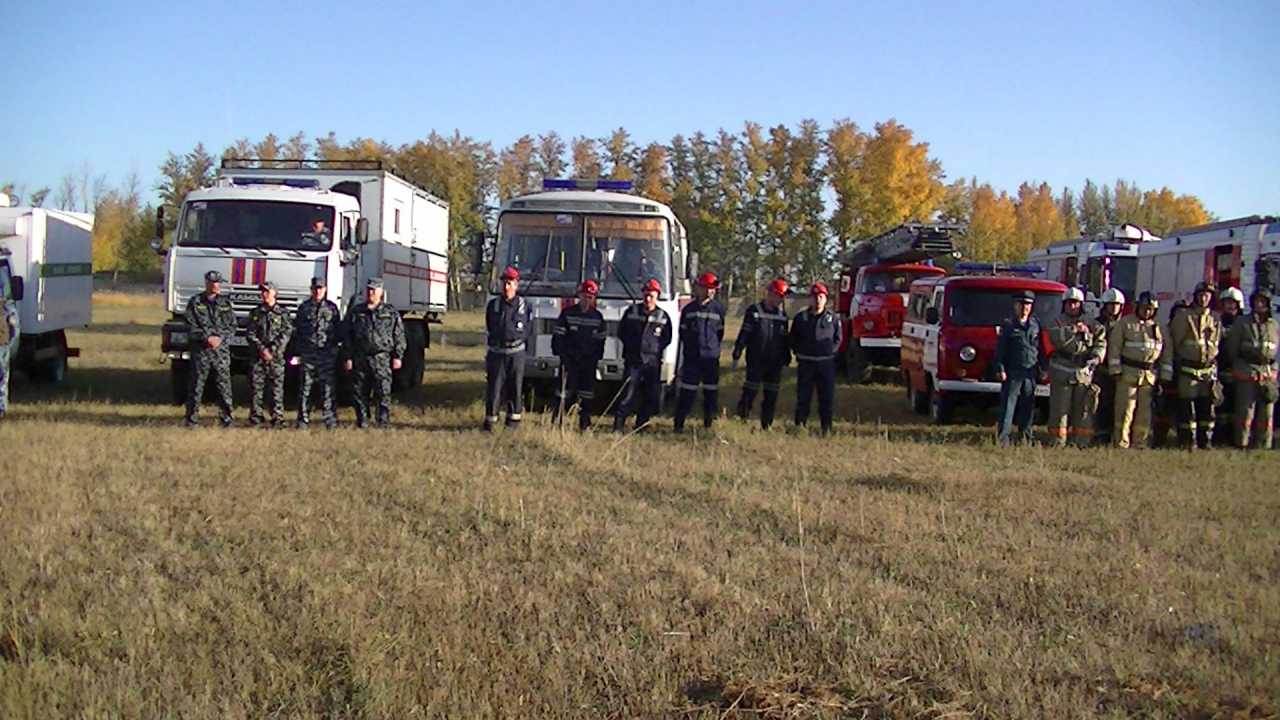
(554, 252)
(989, 308)
(257, 224)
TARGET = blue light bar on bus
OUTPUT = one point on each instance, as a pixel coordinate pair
(585, 184)
(305, 184)
(997, 268)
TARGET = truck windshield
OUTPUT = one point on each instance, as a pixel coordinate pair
(1120, 273)
(257, 224)
(978, 308)
(621, 252)
(897, 281)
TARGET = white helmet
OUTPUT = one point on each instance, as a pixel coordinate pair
(1233, 293)
(1112, 295)
(1073, 293)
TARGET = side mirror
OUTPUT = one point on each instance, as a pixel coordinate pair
(693, 264)
(17, 287)
(931, 316)
(158, 246)
(362, 231)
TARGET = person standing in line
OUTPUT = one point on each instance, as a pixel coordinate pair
(1194, 338)
(213, 324)
(1109, 314)
(645, 332)
(1019, 363)
(1231, 303)
(701, 333)
(1165, 410)
(578, 340)
(1133, 354)
(1251, 347)
(507, 328)
(814, 338)
(269, 330)
(317, 329)
(1079, 347)
(764, 338)
(373, 347)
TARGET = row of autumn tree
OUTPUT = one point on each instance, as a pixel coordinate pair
(763, 202)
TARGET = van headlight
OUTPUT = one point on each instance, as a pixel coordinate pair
(968, 353)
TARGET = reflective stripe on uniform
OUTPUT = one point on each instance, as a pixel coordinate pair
(815, 358)
(750, 386)
(772, 387)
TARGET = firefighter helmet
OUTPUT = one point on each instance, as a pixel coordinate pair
(1147, 299)
(709, 281)
(1233, 293)
(653, 286)
(818, 289)
(588, 287)
(510, 274)
(1205, 286)
(1112, 295)
(778, 287)
(1073, 293)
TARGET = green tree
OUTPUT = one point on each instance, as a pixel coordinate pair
(1092, 210)
(38, 197)
(586, 159)
(654, 177)
(179, 175)
(550, 155)
(619, 155)
(518, 171)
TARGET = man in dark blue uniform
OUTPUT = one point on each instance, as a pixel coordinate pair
(645, 333)
(701, 332)
(578, 340)
(507, 327)
(814, 338)
(764, 338)
(1019, 363)
(213, 324)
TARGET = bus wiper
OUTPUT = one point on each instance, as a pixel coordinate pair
(626, 284)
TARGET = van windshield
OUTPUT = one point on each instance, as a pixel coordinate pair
(990, 307)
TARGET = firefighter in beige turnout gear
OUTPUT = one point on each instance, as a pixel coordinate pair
(1133, 351)
(1251, 350)
(1195, 335)
(1079, 346)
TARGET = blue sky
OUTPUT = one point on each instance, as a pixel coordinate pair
(1183, 94)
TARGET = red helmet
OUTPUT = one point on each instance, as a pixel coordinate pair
(653, 286)
(510, 273)
(588, 287)
(818, 289)
(709, 281)
(778, 287)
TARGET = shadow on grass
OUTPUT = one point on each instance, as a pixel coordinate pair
(122, 329)
(99, 384)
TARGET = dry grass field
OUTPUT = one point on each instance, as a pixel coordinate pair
(891, 571)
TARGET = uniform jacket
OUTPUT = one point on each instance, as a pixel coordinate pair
(1195, 335)
(269, 329)
(579, 335)
(1075, 353)
(507, 325)
(701, 330)
(1019, 351)
(644, 335)
(764, 336)
(1134, 348)
(1251, 348)
(814, 336)
(1224, 362)
(374, 331)
(208, 317)
(317, 327)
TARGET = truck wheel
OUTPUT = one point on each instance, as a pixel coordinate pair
(940, 408)
(179, 380)
(858, 365)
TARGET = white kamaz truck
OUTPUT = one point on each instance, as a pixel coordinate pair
(343, 221)
(46, 263)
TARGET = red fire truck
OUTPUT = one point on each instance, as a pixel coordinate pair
(875, 279)
(949, 337)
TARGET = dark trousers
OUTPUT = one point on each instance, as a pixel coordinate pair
(1017, 406)
(205, 365)
(764, 376)
(577, 386)
(317, 372)
(1225, 415)
(1104, 419)
(1163, 416)
(267, 380)
(504, 387)
(372, 380)
(695, 372)
(1195, 421)
(641, 393)
(817, 375)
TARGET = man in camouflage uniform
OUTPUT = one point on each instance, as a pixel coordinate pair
(374, 347)
(213, 324)
(268, 331)
(9, 328)
(1133, 354)
(1251, 348)
(1079, 346)
(1195, 335)
(316, 330)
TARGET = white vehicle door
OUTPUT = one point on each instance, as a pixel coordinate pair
(930, 357)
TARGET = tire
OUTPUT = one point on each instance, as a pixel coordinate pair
(940, 408)
(919, 401)
(179, 379)
(857, 364)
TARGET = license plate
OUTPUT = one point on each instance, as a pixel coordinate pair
(245, 297)
(1042, 391)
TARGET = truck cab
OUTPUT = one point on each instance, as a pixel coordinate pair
(873, 306)
(949, 337)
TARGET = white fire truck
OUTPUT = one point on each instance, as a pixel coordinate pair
(1243, 253)
(338, 220)
(591, 230)
(1096, 264)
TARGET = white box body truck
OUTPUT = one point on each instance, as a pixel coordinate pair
(258, 224)
(52, 252)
